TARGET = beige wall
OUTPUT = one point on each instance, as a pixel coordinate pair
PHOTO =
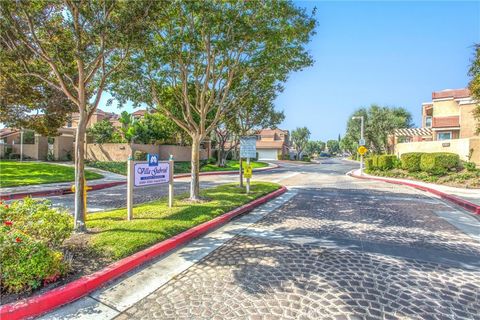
(63, 146)
(121, 151)
(445, 108)
(459, 146)
(467, 121)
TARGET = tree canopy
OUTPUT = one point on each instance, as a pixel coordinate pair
(474, 84)
(380, 122)
(203, 57)
(299, 139)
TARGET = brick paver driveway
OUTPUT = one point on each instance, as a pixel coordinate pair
(339, 249)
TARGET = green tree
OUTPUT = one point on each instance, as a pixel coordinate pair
(72, 47)
(333, 146)
(198, 51)
(104, 132)
(300, 138)
(380, 122)
(474, 84)
(314, 147)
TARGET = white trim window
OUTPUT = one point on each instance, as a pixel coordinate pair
(428, 122)
(444, 135)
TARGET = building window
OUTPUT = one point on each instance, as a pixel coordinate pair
(428, 122)
(444, 136)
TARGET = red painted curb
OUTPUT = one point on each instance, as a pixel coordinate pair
(472, 207)
(100, 186)
(74, 290)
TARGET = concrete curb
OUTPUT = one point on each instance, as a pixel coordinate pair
(100, 186)
(472, 207)
(74, 290)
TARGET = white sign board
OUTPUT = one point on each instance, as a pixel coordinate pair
(146, 174)
(361, 142)
(248, 147)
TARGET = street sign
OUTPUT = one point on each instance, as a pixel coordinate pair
(145, 175)
(248, 147)
(362, 150)
(361, 142)
(248, 172)
(152, 160)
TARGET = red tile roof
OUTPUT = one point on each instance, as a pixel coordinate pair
(451, 93)
(278, 144)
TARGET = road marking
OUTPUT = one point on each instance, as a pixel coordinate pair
(288, 176)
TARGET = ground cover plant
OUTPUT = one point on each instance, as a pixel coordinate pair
(16, 173)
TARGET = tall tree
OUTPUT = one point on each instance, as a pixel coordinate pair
(314, 147)
(333, 146)
(72, 47)
(474, 84)
(300, 138)
(380, 122)
(200, 50)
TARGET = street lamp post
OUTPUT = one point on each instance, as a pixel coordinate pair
(362, 140)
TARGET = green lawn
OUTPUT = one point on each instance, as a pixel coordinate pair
(180, 166)
(13, 173)
(155, 221)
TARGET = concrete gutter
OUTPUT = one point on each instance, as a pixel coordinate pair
(470, 206)
(100, 186)
(40, 304)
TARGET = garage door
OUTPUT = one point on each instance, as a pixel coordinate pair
(267, 154)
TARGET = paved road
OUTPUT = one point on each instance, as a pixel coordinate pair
(334, 248)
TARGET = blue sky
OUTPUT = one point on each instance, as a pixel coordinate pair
(389, 53)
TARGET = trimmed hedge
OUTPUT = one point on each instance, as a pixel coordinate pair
(439, 163)
(369, 164)
(411, 161)
(386, 162)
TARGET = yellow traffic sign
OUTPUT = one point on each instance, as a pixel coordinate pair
(362, 150)
(248, 172)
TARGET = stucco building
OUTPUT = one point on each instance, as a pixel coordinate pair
(448, 125)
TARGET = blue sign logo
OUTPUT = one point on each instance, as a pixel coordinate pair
(152, 160)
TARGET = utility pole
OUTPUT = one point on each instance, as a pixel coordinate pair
(362, 139)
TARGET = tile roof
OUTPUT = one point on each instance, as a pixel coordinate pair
(451, 93)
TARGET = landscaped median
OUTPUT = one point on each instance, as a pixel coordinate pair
(120, 245)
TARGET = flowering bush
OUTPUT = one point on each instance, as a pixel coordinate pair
(30, 235)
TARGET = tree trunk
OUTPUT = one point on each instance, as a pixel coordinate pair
(80, 209)
(195, 182)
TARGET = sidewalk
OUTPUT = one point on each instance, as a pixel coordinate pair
(471, 196)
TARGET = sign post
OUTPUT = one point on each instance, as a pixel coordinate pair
(170, 183)
(146, 173)
(130, 178)
(248, 149)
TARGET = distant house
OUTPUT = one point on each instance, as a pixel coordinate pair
(272, 144)
(447, 126)
(59, 147)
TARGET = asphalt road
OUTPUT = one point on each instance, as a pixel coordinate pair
(333, 248)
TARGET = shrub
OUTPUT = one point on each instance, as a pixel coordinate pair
(140, 156)
(386, 162)
(470, 166)
(39, 220)
(374, 162)
(438, 163)
(212, 160)
(369, 164)
(30, 233)
(306, 158)
(26, 263)
(411, 161)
